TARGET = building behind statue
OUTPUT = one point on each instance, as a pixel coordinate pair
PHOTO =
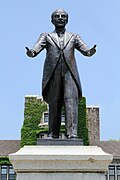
(93, 124)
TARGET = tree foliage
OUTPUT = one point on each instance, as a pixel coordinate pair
(33, 112)
(4, 161)
(82, 121)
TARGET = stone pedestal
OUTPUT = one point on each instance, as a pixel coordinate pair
(60, 163)
(60, 142)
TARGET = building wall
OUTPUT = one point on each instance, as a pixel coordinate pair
(93, 124)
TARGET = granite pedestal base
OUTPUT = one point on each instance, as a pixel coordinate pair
(60, 163)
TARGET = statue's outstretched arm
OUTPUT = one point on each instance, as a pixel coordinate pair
(38, 46)
(83, 48)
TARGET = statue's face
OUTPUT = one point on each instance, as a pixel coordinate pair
(60, 19)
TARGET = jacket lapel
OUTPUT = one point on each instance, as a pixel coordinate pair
(67, 37)
(54, 38)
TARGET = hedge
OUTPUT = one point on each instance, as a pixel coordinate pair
(4, 161)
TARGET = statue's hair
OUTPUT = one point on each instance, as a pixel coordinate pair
(57, 10)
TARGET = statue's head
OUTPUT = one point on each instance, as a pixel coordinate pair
(59, 18)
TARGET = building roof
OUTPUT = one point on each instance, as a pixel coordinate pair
(110, 147)
(9, 146)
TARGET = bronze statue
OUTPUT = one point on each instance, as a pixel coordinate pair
(61, 83)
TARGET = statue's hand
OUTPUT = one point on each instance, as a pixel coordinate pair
(93, 50)
(30, 52)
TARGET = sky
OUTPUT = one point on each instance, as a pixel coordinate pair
(97, 22)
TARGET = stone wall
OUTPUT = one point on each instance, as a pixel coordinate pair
(93, 124)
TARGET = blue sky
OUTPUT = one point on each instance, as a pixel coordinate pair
(97, 22)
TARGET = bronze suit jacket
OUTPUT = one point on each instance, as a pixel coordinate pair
(50, 42)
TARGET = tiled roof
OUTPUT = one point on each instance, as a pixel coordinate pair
(9, 147)
(110, 147)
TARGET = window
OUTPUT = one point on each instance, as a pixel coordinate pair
(7, 172)
(113, 172)
(4, 172)
(46, 116)
(11, 173)
(63, 118)
(118, 172)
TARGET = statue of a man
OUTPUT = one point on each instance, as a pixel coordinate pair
(61, 83)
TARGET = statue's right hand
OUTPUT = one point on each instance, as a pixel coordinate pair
(30, 52)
